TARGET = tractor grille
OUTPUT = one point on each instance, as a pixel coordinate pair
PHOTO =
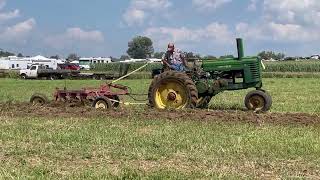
(255, 70)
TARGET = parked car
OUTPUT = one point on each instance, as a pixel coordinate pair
(69, 66)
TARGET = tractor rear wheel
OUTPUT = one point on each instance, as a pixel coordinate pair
(258, 100)
(38, 99)
(102, 103)
(173, 90)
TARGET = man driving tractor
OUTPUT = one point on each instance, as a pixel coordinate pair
(174, 59)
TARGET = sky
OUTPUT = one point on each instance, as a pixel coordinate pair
(207, 27)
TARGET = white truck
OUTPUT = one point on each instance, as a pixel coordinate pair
(39, 71)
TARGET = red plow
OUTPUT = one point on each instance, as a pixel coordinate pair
(105, 97)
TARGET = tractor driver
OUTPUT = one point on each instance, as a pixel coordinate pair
(174, 59)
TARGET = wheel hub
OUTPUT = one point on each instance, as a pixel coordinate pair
(172, 96)
(257, 102)
(38, 101)
(101, 105)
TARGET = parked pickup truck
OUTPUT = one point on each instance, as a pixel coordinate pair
(40, 71)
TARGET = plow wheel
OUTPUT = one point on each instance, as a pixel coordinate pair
(102, 103)
(203, 102)
(258, 100)
(173, 90)
(38, 99)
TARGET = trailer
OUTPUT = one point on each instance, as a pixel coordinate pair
(17, 63)
(37, 71)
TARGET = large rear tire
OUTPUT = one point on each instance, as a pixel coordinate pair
(173, 90)
(258, 100)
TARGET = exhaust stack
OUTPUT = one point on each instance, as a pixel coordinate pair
(240, 48)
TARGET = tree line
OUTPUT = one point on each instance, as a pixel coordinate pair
(141, 47)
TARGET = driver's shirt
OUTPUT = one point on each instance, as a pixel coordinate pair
(174, 58)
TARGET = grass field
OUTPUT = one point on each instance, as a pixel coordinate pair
(131, 147)
(293, 66)
(104, 147)
(289, 95)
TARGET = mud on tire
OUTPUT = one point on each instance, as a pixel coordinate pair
(39, 99)
(258, 100)
(181, 79)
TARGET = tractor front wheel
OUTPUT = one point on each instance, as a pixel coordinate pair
(258, 100)
(173, 90)
(102, 103)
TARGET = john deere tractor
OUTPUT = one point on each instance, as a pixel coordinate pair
(207, 78)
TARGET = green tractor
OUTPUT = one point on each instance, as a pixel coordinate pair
(196, 88)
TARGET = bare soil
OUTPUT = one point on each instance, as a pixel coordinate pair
(62, 111)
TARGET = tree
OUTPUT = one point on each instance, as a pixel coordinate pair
(266, 55)
(226, 56)
(73, 57)
(280, 56)
(140, 47)
(114, 59)
(191, 55)
(20, 55)
(209, 57)
(55, 57)
(5, 53)
(158, 55)
(124, 57)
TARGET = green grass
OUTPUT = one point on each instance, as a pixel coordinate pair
(155, 148)
(104, 148)
(291, 75)
(293, 66)
(289, 95)
(115, 67)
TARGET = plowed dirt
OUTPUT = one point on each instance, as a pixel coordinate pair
(58, 110)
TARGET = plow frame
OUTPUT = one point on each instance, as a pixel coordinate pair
(105, 90)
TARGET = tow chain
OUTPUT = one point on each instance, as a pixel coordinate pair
(119, 79)
(126, 103)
